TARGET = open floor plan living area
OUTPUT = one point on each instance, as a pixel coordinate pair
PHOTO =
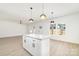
(39, 29)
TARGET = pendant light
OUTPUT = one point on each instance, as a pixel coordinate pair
(31, 20)
(51, 19)
(43, 16)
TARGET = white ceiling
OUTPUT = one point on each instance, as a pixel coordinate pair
(21, 11)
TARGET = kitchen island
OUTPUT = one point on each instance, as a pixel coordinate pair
(37, 45)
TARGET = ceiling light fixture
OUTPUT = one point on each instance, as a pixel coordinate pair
(43, 16)
(31, 20)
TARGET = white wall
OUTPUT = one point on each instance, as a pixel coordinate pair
(8, 28)
(72, 28)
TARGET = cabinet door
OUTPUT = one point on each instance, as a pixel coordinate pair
(36, 46)
(28, 44)
(33, 46)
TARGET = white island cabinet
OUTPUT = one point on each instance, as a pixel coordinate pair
(37, 45)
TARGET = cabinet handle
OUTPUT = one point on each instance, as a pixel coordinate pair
(33, 45)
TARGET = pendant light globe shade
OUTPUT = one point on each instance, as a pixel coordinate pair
(31, 20)
(43, 16)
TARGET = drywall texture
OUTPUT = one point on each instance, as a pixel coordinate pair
(8, 28)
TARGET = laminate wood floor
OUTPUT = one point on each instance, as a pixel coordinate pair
(60, 48)
(12, 46)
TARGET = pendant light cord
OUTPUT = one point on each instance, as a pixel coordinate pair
(31, 11)
(43, 8)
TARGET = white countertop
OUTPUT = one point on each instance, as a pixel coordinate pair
(38, 36)
(54, 37)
